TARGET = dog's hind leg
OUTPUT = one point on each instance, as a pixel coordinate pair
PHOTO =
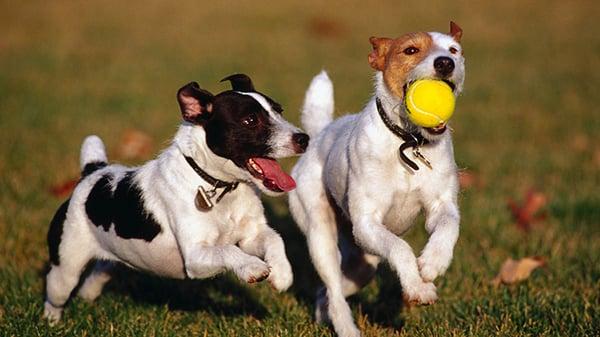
(75, 251)
(315, 216)
(95, 281)
(322, 243)
(331, 303)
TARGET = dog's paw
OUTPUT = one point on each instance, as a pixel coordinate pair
(52, 313)
(432, 265)
(281, 276)
(255, 270)
(420, 293)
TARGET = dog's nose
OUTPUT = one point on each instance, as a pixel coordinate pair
(300, 141)
(443, 65)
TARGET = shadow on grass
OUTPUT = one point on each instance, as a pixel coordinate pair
(385, 310)
(221, 295)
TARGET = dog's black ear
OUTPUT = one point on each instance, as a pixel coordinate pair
(195, 103)
(240, 82)
(381, 46)
(455, 31)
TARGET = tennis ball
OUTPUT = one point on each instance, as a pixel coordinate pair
(429, 102)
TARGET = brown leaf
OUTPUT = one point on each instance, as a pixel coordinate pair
(529, 212)
(597, 158)
(580, 142)
(135, 144)
(63, 189)
(515, 271)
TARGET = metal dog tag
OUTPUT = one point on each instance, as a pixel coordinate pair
(203, 197)
(417, 153)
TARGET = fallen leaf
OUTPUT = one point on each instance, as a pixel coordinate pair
(597, 158)
(529, 212)
(135, 144)
(515, 271)
(580, 142)
(63, 189)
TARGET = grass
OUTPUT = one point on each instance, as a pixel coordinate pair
(528, 118)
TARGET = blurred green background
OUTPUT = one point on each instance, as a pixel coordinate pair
(528, 119)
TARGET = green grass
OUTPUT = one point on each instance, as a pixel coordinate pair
(528, 118)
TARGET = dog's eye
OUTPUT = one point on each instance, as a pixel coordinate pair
(411, 50)
(249, 120)
(453, 50)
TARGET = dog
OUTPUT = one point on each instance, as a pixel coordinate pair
(357, 194)
(193, 212)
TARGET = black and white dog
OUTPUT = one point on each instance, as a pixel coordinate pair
(192, 212)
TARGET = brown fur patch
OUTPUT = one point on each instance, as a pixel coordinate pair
(388, 56)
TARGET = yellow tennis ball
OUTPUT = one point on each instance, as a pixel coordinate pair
(429, 102)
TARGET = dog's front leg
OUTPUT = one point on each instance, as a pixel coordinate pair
(203, 261)
(442, 223)
(374, 237)
(268, 244)
(204, 258)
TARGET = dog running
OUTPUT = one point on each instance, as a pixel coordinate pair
(192, 212)
(357, 195)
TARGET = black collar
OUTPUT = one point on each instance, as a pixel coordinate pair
(226, 186)
(414, 139)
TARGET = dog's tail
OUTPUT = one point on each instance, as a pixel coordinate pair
(93, 155)
(317, 111)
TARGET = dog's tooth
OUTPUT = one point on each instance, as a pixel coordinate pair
(255, 166)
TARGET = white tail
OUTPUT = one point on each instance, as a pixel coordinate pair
(92, 151)
(317, 111)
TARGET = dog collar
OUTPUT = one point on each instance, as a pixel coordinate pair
(203, 197)
(414, 139)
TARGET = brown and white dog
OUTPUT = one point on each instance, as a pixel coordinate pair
(356, 195)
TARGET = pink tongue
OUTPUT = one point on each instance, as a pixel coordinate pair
(273, 172)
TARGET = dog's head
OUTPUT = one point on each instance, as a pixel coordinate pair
(416, 56)
(246, 127)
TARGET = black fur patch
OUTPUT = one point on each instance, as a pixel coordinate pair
(124, 208)
(55, 232)
(90, 168)
(227, 137)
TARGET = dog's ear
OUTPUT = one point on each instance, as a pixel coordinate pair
(195, 103)
(455, 31)
(240, 82)
(381, 46)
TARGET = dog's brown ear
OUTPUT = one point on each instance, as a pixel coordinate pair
(381, 46)
(195, 103)
(455, 31)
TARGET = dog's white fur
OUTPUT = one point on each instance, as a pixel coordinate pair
(233, 236)
(354, 161)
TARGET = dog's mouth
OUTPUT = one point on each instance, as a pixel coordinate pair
(450, 84)
(437, 130)
(271, 174)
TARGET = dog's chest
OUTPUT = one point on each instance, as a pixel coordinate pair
(408, 191)
(404, 201)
